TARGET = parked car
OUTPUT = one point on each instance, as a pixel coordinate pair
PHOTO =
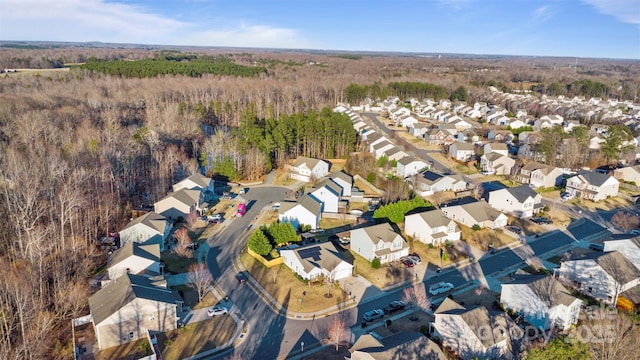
(416, 259)
(214, 217)
(514, 229)
(541, 220)
(635, 232)
(226, 196)
(243, 191)
(345, 240)
(567, 196)
(317, 231)
(415, 255)
(373, 314)
(408, 262)
(440, 288)
(393, 307)
(241, 278)
(596, 247)
(356, 212)
(217, 310)
(242, 209)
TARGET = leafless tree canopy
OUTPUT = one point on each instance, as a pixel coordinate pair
(625, 220)
(199, 278)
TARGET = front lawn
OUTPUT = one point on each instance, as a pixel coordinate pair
(388, 274)
(128, 351)
(196, 337)
(176, 264)
(432, 254)
(482, 238)
(288, 289)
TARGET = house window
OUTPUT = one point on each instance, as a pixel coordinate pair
(151, 316)
(131, 335)
(590, 289)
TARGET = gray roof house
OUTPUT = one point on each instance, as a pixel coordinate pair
(475, 332)
(379, 241)
(150, 228)
(306, 169)
(179, 203)
(329, 193)
(315, 260)
(476, 213)
(521, 201)
(305, 211)
(431, 227)
(429, 182)
(134, 258)
(592, 185)
(496, 163)
(402, 345)
(127, 307)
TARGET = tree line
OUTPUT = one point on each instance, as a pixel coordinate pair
(193, 66)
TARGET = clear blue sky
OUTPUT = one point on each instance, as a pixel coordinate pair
(576, 28)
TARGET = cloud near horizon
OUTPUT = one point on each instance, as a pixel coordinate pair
(98, 20)
(626, 11)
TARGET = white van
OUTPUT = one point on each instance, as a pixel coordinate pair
(440, 288)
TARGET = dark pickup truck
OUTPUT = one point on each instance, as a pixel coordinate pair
(393, 307)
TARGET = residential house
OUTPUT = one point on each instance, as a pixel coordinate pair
(462, 151)
(381, 147)
(628, 246)
(394, 153)
(461, 124)
(496, 163)
(521, 201)
(409, 166)
(500, 136)
(379, 241)
(595, 140)
(517, 124)
(197, 182)
(179, 204)
(344, 180)
(429, 182)
(306, 211)
(374, 139)
(431, 227)
(306, 169)
(438, 136)
(540, 175)
(317, 260)
(150, 228)
(500, 148)
(601, 275)
(542, 301)
(629, 174)
(130, 306)
(592, 185)
(418, 130)
(475, 333)
(399, 111)
(408, 121)
(329, 193)
(476, 213)
(134, 258)
(405, 345)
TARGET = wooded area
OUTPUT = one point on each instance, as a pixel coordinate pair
(80, 149)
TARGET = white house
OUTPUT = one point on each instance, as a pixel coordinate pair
(394, 153)
(198, 182)
(134, 258)
(179, 204)
(380, 148)
(306, 211)
(521, 201)
(474, 332)
(630, 174)
(431, 227)
(592, 185)
(126, 308)
(540, 175)
(628, 247)
(418, 130)
(329, 194)
(496, 163)
(305, 169)
(461, 151)
(315, 260)
(429, 182)
(379, 241)
(476, 213)
(409, 166)
(150, 228)
(542, 301)
(601, 275)
(408, 121)
(500, 148)
(344, 180)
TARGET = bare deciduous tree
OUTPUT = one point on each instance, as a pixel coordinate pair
(199, 278)
(625, 220)
(416, 295)
(183, 247)
(336, 331)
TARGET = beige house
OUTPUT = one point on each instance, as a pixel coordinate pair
(306, 169)
(540, 175)
(150, 228)
(496, 163)
(431, 227)
(477, 213)
(134, 258)
(179, 204)
(630, 174)
(126, 308)
(462, 151)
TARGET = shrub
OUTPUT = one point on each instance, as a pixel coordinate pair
(424, 329)
(475, 227)
(274, 254)
(371, 177)
(375, 263)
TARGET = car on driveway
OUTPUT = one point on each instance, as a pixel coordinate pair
(217, 310)
(514, 229)
(416, 259)
(408, 262)
(541, 220)
(393, 307)
(567, 196)
(373, 314)
(440, 288)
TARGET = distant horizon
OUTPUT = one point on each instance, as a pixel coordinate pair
(599, 29)
(4, 43)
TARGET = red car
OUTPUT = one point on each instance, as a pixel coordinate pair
(407, 262)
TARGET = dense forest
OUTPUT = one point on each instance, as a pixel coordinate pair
(79, 148)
